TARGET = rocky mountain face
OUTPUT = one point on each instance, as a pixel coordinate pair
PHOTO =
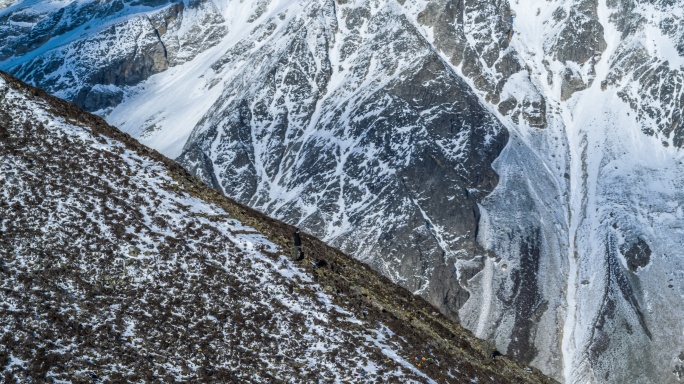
(118, 265)
(518, 164)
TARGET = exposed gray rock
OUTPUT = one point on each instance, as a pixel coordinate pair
(122, 53)
(483, 55)
(582, 36)
(652, 85)
(112, 62)
(637, 253)
(534, 112)
(507, 106)
(572, 82)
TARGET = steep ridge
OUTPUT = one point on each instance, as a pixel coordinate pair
(375, 125)
(119, 265)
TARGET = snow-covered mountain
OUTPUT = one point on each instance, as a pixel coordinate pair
(518, 164)
(119, 266)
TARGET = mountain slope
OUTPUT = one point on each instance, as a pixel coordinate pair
(610, 207)
(295, 112)
(518, 164)
(120, 266)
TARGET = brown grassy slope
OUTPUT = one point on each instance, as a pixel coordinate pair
(353, 284)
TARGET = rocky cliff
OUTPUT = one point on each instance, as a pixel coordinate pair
(519, 165)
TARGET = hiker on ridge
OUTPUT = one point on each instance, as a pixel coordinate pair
(297, 245)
